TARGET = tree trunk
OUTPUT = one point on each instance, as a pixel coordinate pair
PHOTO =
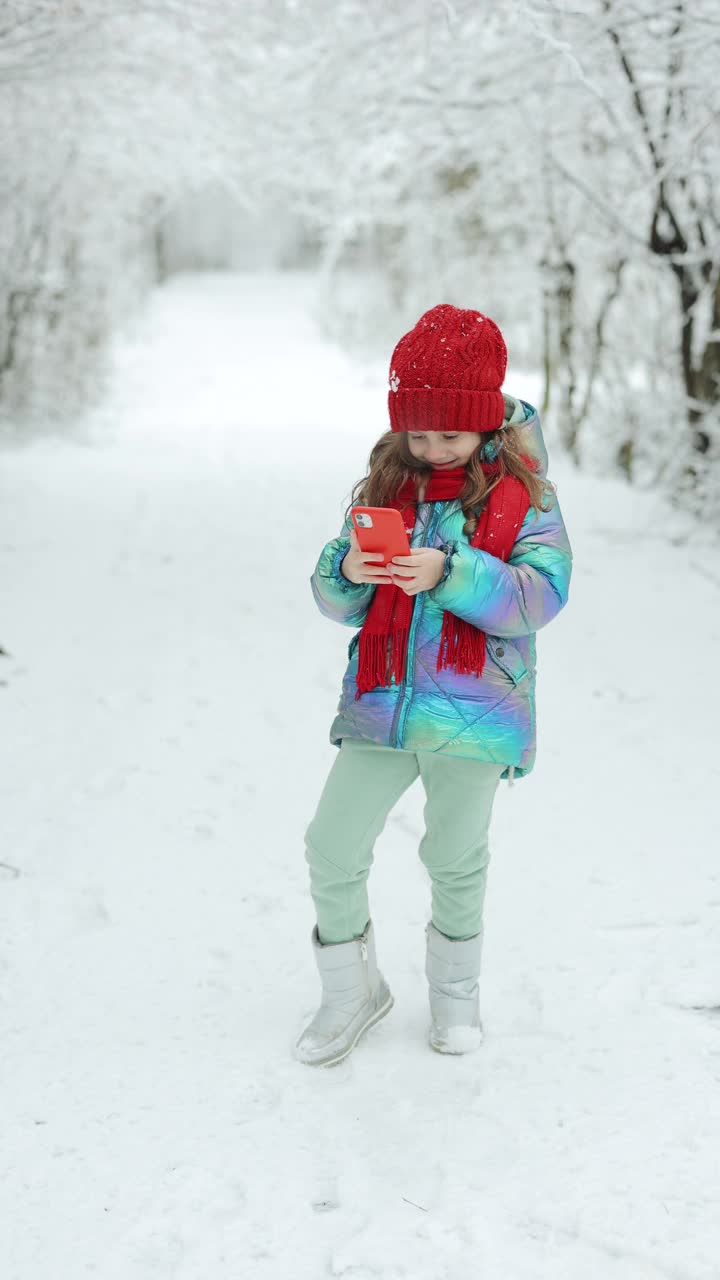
(547, 360)
(702, 383)
(565, 296)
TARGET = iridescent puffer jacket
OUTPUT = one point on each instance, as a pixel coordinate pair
(491, 717)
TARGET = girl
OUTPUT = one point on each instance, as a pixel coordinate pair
(440, 679)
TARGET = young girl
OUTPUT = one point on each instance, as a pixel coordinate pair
(440, 680)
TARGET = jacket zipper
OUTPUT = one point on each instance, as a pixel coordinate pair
(406, 686)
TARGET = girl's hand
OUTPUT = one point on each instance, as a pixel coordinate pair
(362, 566)
(420, 571)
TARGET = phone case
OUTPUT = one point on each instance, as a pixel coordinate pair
(385, 533)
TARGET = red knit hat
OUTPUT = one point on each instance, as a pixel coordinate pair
(446, 373)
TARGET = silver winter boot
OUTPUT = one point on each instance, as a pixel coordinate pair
(354, 996)
(452, 968)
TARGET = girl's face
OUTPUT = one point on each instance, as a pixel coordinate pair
(438, 448)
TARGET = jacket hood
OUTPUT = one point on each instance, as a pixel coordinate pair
(525, 418)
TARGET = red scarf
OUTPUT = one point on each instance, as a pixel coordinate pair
(391, 610)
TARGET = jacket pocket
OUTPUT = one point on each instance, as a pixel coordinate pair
(507, 657)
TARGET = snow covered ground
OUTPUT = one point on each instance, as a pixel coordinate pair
(165, 710)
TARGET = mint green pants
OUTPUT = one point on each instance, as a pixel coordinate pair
(365, 782)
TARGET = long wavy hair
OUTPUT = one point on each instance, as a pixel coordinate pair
(391, 463)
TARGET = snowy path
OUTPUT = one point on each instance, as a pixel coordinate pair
(164, 744)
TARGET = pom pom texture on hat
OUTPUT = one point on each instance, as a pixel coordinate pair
(446, 373)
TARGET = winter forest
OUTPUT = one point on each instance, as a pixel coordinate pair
(216, 221)
(568, 155)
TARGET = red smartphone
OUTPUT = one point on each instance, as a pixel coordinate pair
(381, 529)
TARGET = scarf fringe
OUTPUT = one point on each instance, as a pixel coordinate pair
(462, 646)
(377, 658)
